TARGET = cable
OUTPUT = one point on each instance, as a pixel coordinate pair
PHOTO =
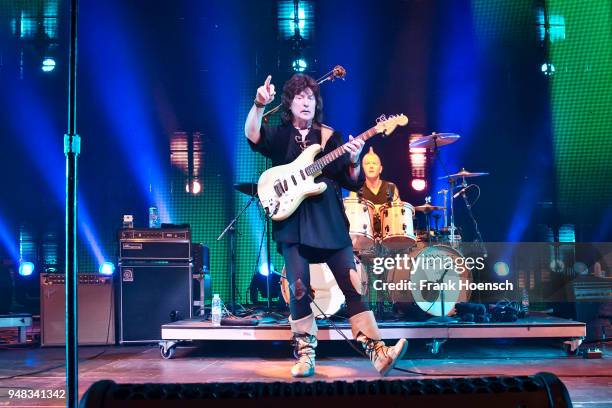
(49, 368)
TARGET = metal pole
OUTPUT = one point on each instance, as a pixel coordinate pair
(72, 147)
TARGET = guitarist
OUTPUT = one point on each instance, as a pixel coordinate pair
(317, 231)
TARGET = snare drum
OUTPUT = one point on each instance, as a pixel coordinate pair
(397, 230)
(360, 214)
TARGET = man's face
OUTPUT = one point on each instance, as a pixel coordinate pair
(371, 166)
(304, 105)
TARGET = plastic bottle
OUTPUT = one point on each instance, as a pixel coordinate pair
(216, 310)
(154, 221)
(525, 301)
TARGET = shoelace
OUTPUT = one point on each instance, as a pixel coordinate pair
(376, 346)
(296, 348)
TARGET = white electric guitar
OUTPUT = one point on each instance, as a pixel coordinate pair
(282, 189)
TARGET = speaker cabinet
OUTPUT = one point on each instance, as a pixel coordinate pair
(96, 310)
(151, 295)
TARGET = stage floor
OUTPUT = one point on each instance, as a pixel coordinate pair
(589, 381)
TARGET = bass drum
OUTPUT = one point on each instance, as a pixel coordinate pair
(325, 290)
(432, 264)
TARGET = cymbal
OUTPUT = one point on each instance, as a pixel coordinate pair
(464, 173)
(249, 189)
(427, 208)
(435, 139)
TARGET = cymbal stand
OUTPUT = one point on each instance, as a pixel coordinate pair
(451, 181)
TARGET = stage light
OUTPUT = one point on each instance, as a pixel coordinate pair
(48, 65)
(547, 68)
(26, 268)
(107, 268)
(258, 283)
(263, 269)
(419, 184)
(501, 269)
(299, 65)
(196, 187)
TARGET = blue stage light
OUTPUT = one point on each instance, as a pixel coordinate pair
(501, 269)
(299, 65)
(547, 68)
(26, 268)
(263, 269)
(48, 65)
(107, 268)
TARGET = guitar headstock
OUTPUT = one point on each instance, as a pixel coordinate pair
(386, 125)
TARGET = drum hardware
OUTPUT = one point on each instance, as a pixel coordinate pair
(463, 174)
(463, 186)
(443, 192)
(428, 208)
(434, 140)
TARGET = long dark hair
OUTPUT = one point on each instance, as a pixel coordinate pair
(294, 86)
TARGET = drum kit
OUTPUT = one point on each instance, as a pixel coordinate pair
(389, 230)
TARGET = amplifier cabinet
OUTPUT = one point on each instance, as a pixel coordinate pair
(96, 311)
(152, 244)
(151, 295)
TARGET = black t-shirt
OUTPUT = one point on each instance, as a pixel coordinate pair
(319, 222)
(386, 193)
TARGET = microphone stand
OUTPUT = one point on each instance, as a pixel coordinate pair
(443, 318)
(231, 228)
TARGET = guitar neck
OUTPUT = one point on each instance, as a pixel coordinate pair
(318, 165)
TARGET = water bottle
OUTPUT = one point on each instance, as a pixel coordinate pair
(525, 301)
(216, 310)
(154, 221)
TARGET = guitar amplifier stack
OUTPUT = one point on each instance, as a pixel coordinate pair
(155, 281)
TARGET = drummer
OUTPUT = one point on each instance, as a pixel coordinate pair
(375, 189)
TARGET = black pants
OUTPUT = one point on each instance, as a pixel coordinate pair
(340, 262)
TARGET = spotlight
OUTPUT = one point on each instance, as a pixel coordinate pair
(258, 283)
(547, 69)
(107, 268)
(299, 65)
(26, 268)
(501, 269)
(418, 184)
(48, 65)
(195, 188)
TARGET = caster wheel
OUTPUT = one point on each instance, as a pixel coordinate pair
(168, 354)
(569, 351)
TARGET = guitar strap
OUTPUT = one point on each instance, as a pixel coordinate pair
(326, 133)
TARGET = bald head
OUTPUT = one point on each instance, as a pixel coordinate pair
(371, 165)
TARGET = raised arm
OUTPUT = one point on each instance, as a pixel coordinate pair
(265, 95)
